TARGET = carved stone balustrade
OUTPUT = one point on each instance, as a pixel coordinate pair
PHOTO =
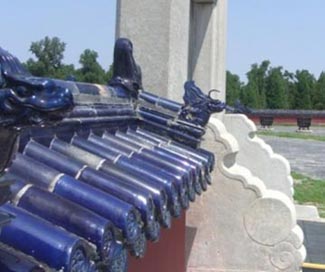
(245, 226)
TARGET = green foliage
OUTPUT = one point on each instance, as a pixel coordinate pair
(318, 95)
(248, 95)
(65, 71)
(276, 89)
(261, 82)
(305, 84)
(90, 70)
(310, 191)
(109, 73)
(48, 62)
(49, 56)
(270, 87)
(291, 89)
(233, 88)
(254, 93)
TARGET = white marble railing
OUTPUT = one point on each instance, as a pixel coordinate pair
(258, 156)
(240, 224)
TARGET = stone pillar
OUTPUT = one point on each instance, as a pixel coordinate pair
(159, 31)
(207, 58)
(176, 40)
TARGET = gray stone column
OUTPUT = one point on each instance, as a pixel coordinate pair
(159, 31)
(176, 40)
(207, 58)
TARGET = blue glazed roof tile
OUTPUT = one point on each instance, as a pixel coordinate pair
(114, 167)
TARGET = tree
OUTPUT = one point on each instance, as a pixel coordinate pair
(48, 62)
(65, 71)
(261, 78)
(270, 87)
(305, 84)
(109, 73)
(248, 95)
(49, 56)
(291, 89)
(253, 94)
(276, 89)
(233, 87)
(90, 71)
(318, 96)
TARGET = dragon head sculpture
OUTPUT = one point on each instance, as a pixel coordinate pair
(198, 107)
(28, 100)
(25, 101)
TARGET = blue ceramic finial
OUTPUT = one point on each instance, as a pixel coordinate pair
(127, 79)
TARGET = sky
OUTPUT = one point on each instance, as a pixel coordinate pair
(81, 24)
(289, 33)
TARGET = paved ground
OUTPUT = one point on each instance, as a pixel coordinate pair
(314, 234)
(316, 130)
(305, 156)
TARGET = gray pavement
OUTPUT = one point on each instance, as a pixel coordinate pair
(314, 235)
(320, 130)
(305, 156)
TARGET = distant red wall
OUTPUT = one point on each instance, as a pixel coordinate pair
(168, 255)
(288, 120)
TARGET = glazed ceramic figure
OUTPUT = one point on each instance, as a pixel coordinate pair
(198, 107)
(127, 79)
(25, 99)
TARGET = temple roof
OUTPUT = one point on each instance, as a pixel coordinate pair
(103, 176)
